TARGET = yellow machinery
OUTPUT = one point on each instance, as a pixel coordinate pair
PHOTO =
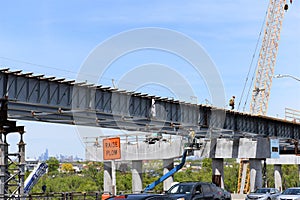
(267, 57)
(264, 75)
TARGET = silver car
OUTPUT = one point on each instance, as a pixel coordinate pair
(290, 194)
(263, 194)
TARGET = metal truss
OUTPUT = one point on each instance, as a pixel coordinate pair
(267, 57)
(48, 99)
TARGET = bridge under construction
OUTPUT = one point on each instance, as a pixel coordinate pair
(26, 96)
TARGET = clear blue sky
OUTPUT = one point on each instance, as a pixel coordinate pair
(55, 38)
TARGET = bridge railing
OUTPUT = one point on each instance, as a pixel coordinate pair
(63, 196)
(292, 114)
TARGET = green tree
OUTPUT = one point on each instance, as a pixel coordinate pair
(206, 171)
(290, 176)
(124, 182)
(231, 170)
(53, 165)
(270, 176)
(94, 172)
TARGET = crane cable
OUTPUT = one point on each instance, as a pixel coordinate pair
(250, 67)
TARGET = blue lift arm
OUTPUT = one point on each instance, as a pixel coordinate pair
(167, 175)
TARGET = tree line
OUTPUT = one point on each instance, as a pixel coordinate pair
(90, 179)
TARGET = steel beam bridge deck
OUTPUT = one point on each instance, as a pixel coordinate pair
(49, 99)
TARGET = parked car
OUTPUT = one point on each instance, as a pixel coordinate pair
(263, 194)
(196, 190)
(142, 196)
(290, 194)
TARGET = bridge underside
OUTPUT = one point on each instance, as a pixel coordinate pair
(48, 99)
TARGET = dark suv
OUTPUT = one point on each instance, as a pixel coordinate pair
(196, 190)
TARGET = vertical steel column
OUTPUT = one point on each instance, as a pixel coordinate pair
(3, 166)
(22, 163)
(12, 165)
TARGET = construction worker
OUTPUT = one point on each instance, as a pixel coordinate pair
(231, 102)
(191, 137)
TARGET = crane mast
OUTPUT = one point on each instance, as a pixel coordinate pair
(267, 57)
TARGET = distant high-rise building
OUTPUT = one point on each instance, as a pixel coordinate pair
(46, 155)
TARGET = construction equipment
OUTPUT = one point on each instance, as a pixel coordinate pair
(264, 75)
(167, 175)
(34, 176)
(193, 144)
(267, 57)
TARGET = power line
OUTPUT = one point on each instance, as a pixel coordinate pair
(250, 67)
(113, 80)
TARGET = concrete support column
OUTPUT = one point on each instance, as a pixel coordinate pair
(109, 177)
(218, 172)
(137, 178)
(168, 164)
(278, 177)
(255, 173)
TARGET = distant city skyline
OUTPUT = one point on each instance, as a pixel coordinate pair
(44, 156)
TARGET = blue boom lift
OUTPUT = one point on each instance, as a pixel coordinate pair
(167, 175)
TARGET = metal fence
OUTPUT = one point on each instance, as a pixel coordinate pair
(59, 196)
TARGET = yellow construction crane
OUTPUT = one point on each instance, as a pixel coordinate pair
(264, 75)
(267, 57)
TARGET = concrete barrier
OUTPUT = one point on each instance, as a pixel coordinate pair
(238, 196)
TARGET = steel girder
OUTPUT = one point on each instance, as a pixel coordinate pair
(48, 99)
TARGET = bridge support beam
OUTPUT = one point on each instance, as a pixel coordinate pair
(218, 172)
(109, 177)
(255, 173)
(168, 165)
(278, 177)
(137, 178)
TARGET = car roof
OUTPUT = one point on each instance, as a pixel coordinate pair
(191, 183)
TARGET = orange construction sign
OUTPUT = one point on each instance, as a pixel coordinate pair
(111, 148)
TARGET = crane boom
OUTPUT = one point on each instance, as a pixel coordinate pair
(267, 57)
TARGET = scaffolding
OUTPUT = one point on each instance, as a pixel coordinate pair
(12, 165)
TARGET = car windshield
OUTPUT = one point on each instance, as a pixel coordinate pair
(292, 191)
(263, 190)
(180, 189)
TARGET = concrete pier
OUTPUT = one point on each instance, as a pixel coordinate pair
(137, 178)
(256, 149)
